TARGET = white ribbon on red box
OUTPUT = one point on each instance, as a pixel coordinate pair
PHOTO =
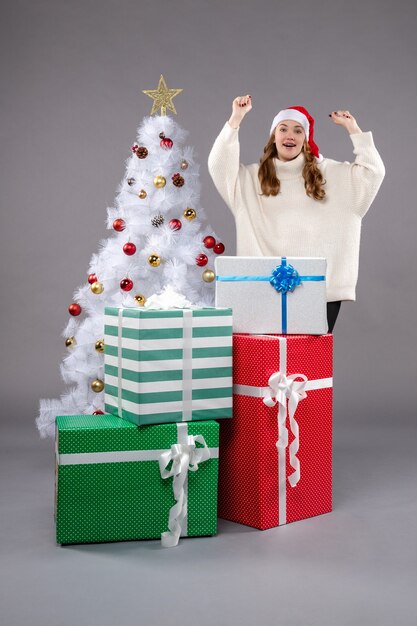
(285, 389)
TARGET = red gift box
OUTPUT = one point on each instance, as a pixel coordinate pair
(276, 453)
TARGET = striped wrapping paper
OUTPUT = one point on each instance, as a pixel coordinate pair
(168, 365)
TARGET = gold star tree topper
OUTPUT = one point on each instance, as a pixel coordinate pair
(162, 97)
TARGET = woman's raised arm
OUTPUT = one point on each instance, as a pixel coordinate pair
(223, 162)
(365, 175)
(240, 107)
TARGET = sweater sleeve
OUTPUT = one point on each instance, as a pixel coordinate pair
(224, 167)
(365, 174)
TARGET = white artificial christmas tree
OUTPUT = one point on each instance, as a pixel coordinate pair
(156, 240)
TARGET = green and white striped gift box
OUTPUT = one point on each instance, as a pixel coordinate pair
(168, 365)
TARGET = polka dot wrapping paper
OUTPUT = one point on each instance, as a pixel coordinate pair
(115, 499)
(249, 481)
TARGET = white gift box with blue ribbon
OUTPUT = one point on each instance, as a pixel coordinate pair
(284, 295)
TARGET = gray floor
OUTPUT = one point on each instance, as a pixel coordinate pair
(355, 566)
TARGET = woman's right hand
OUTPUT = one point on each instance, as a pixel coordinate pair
(241, 105)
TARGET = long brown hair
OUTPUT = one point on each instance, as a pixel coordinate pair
(270, 184)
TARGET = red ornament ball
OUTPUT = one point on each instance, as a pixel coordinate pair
(218, 248)
(202, 260)
(126, 284)
(129, 248)
(92, 278)
(119, 224)
(166, 143)
(98, 412)
(175, 224)
(209, 241)
(74, 309)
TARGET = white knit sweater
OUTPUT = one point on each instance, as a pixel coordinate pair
(291, 223)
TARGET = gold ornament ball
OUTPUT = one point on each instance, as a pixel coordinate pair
(208, 276)
(142, 194)
(140, 299)
(159, 182)
(97, 288)
(190, 214)
(97, 385)
(184, 164)
(154, 260)
(99, 346)
(70, 342)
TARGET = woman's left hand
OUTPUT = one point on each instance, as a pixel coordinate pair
(345, 119)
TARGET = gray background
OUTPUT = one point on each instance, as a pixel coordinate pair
(72, 75)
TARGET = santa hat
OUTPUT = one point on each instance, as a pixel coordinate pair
(303, 117)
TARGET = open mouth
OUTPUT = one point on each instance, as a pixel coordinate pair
(289, 145)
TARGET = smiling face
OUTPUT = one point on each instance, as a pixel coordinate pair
(289, 139)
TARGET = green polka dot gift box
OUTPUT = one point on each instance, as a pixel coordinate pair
(118, 482)
(168, 365)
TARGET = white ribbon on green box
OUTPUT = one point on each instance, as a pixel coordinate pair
(284, 389)
(187, 370)
(182, 457)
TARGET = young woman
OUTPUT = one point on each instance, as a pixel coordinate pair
(297, 203)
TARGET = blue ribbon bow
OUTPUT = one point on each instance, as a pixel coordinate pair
(285, 278)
